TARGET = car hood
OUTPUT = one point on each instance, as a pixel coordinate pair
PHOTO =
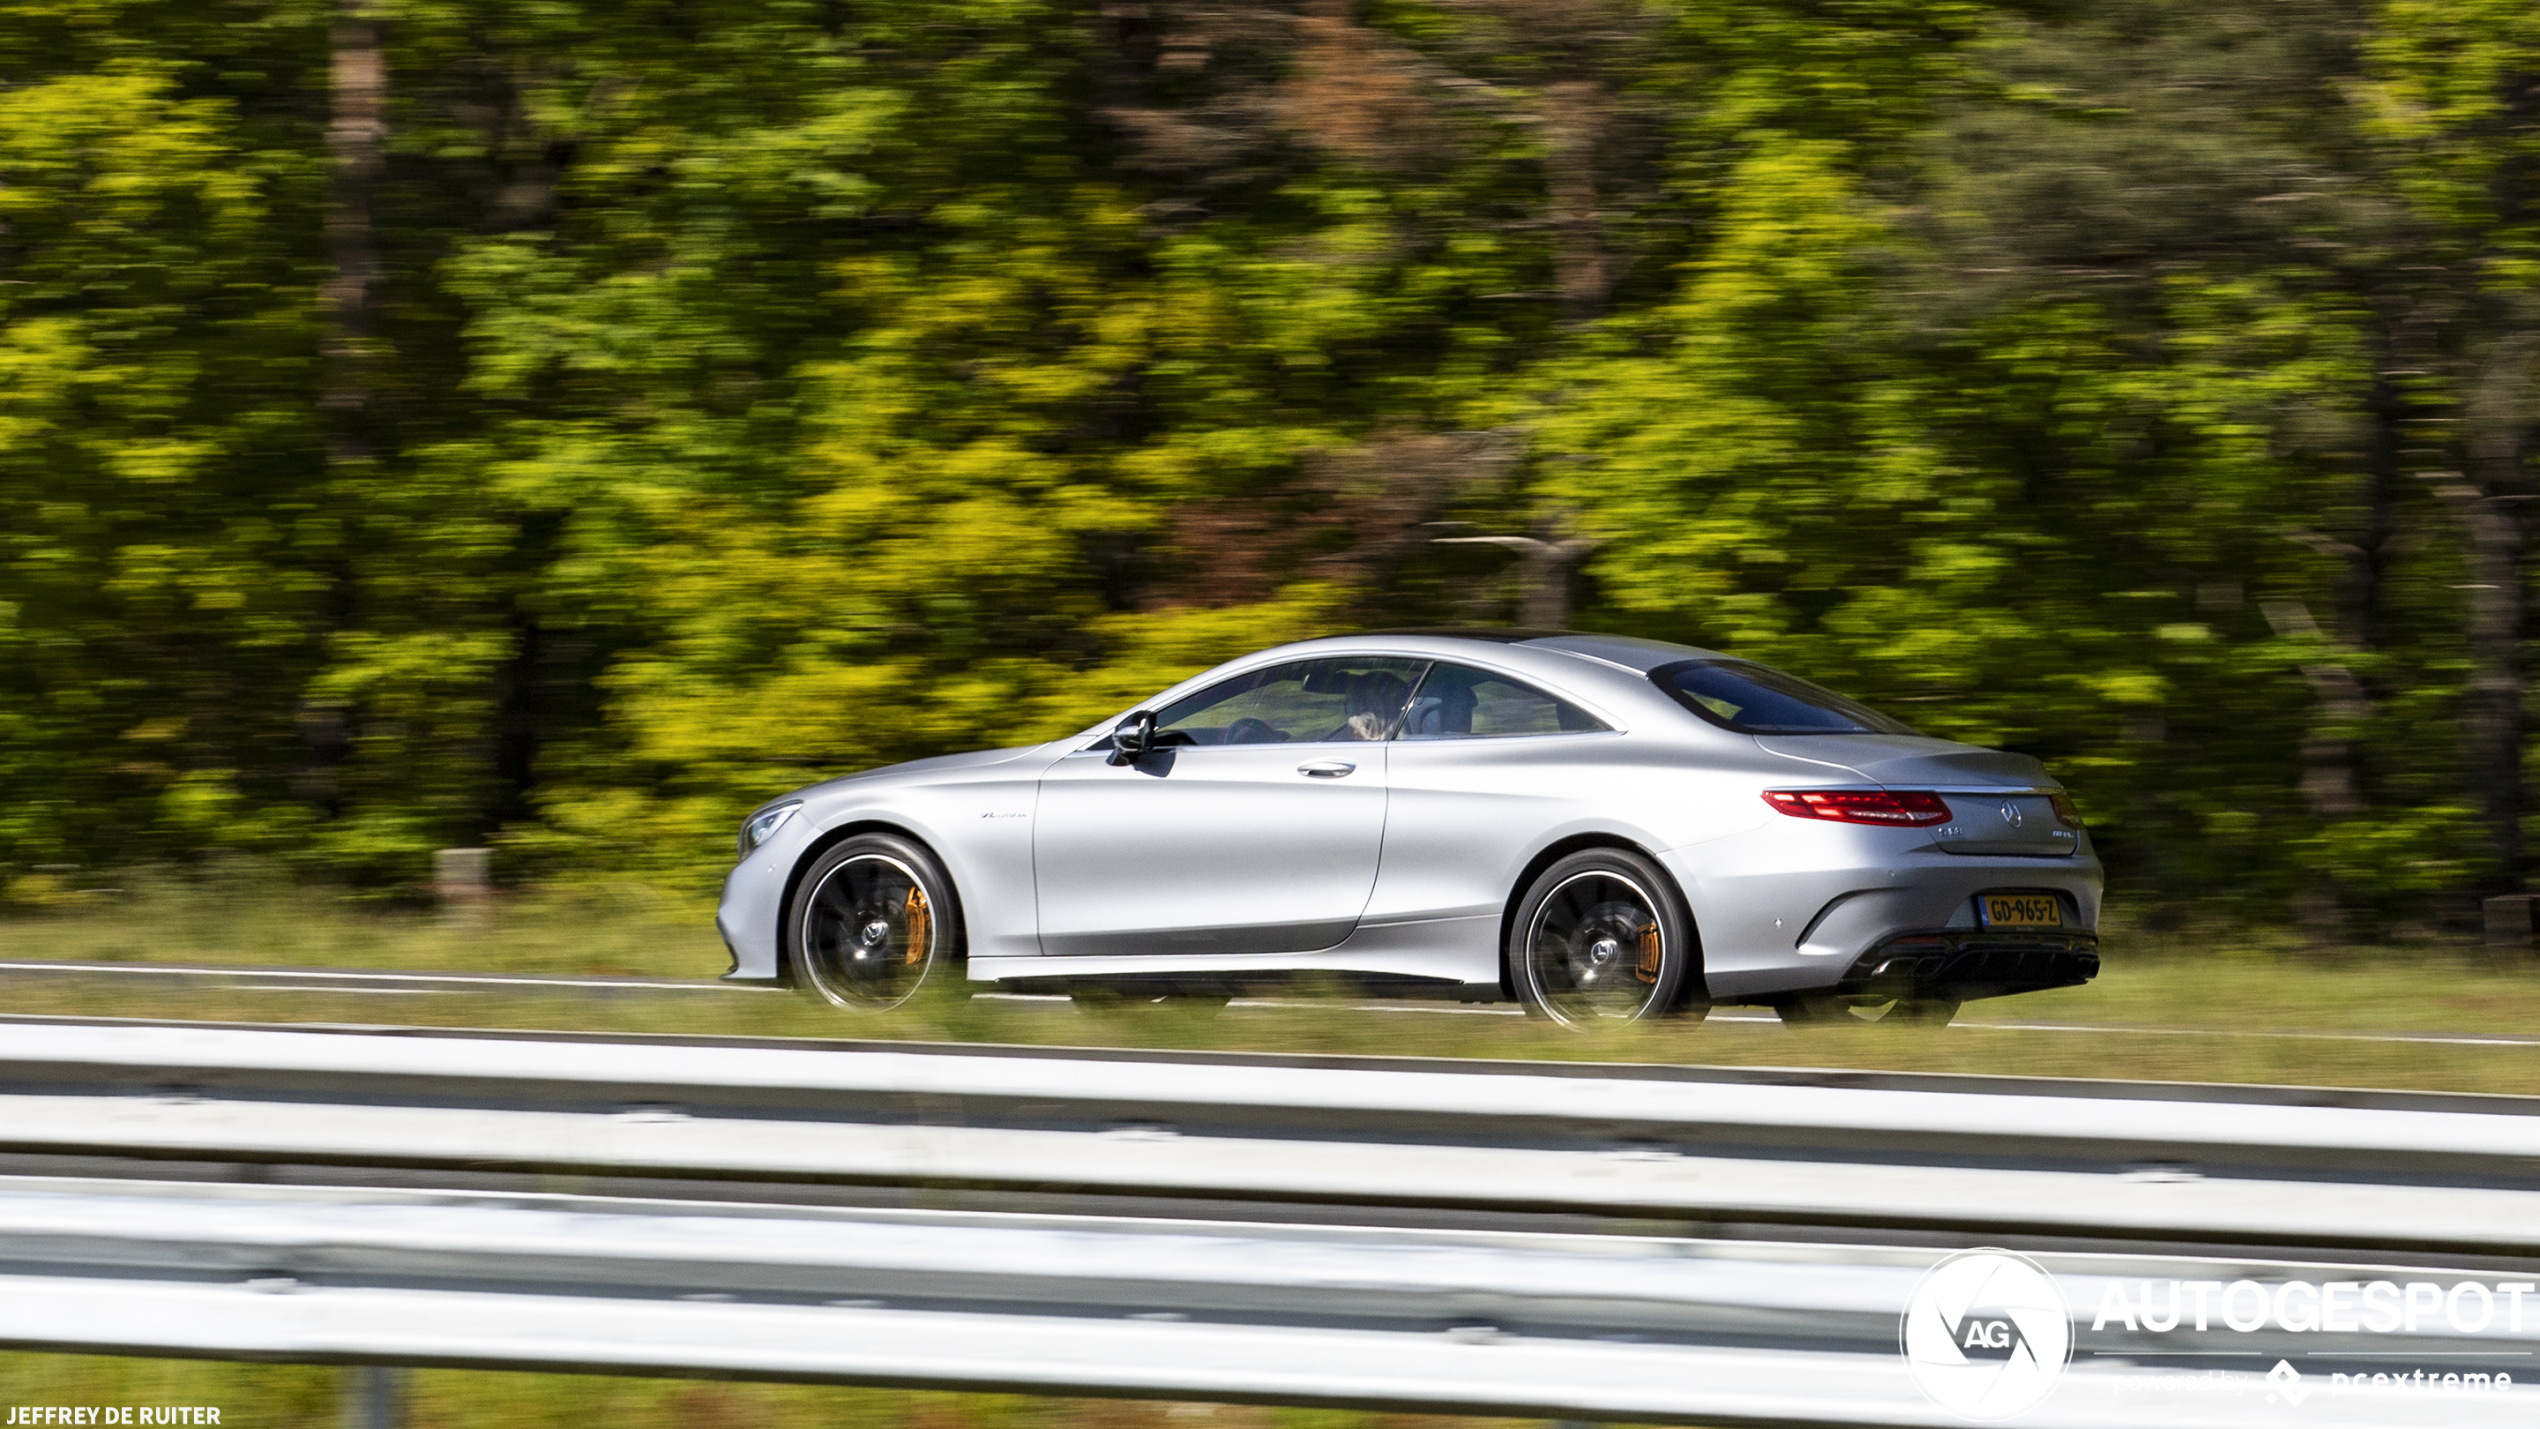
(1911, 760)
(916, 769)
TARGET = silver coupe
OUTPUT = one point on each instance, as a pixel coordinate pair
(1599, 828)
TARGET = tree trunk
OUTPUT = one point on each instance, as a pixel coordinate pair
(1574, 120)
(2331, 782)
(356, 135)
(356, 142)
(2489, 506)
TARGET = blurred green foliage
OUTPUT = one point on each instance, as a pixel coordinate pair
(729, 395)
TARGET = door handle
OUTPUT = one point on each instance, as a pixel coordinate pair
(1325, 769)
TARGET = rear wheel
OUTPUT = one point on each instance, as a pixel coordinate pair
(1601, 938)
(872, 921)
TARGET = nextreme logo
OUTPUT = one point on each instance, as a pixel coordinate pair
(1986, 1334)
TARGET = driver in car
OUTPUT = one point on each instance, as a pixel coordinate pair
(1375, 700)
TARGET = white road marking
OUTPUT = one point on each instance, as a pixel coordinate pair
(2116, 1029)
(365, 991)
(350, 977)
(2430, 1038)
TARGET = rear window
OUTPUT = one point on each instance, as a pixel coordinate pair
(1757, 699)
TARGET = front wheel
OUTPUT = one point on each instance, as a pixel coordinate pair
(872, 921)
(1601, 938)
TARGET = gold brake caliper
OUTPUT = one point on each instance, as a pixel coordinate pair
(1647, 968)
(920, 924)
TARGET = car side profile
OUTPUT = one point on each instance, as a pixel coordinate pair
(1600, 828)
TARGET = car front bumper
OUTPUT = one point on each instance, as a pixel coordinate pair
(753, 902)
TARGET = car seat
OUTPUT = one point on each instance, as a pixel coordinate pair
(1445, 714)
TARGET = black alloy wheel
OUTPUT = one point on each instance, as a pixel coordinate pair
(872, 921)
(1601, 939)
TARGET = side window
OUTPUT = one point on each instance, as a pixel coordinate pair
(1460, 702)
(1306, 702)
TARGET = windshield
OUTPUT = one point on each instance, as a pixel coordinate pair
(1757, 699)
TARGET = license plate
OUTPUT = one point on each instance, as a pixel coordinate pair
(2022, 910)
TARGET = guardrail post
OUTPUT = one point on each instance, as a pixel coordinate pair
(373, 1399)
(463, 880)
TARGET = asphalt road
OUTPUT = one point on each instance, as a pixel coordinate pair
(421, 984)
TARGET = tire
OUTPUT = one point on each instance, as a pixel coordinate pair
(873, 921)
(1602, 938)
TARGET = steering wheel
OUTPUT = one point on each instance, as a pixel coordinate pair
(1252, 731)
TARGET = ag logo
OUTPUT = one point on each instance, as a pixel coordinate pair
(1986, 1334)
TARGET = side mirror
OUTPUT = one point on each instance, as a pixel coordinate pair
(1133, 738)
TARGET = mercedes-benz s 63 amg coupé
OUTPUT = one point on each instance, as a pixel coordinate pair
(1599, 828)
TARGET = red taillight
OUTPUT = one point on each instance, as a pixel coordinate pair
(1915, 808)
(2065, 813)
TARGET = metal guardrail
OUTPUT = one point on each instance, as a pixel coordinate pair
(1619, 1243)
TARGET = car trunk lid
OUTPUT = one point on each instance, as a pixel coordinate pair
(1997, 800)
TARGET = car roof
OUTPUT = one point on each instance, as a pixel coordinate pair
(1628, 651)
(1622, 657)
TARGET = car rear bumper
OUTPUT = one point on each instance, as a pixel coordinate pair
(1962, 966)
(1796, 907)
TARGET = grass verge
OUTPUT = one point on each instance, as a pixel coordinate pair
(2206, 1007)
(275, 1396)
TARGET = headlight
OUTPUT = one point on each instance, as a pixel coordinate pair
(764, 824)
